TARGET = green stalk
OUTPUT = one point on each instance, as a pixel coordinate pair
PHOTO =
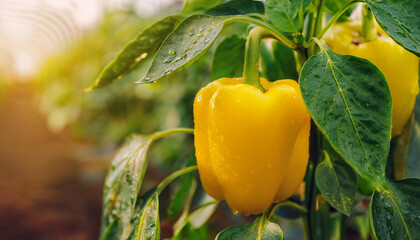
(282, 37)
(331, 22)
(165, 182)
(165, 133)
(310, 186)
(324, 210)
(343, 227)
(295, 206)
(319, 17)
(251, 74)
(310, 26)
(369, 30)
(298, 208)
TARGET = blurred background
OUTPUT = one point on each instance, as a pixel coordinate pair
(56, 142)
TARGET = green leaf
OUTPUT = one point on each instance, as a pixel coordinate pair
(198, 217)
(285, 60)
(201, 215)
(287, 15)
(400, 19)
(183, 46)
(149, 226)
(365, 187)
(401, 151)
(261, 229)
(123, 182)
(191, 233)
(237, 7)
(334, 6)
(337, 182)
(180, 192)
(394, 212)
(277, 62)
(228, 58)
(191, 6)
(145, 223)
(413, 158)
(349, 100)
(362, 225)
(137, 51)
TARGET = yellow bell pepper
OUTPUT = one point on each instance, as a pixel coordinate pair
(400, 67)
(252, 148)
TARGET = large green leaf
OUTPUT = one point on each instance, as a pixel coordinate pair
(337, 182)
(228, 58)
(260, 229)
(191, 6)
(237, 7)
(349, 100)
(184, 45)
(137, 51)
(287, 15)
(192, 39)
(394, 211)
(400, 19)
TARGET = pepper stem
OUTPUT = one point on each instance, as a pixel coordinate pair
(251, 74)
(369, 30)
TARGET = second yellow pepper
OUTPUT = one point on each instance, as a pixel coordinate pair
(252, 148)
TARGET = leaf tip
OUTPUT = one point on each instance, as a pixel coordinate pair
(89, 89)
(144, 81)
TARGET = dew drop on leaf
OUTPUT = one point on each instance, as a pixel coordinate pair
(168, 60)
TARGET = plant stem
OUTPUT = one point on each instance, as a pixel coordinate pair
(331, 22)
(324, 210)
(343, 227)
(165, 133)
(297, 207)
(310, 188)
(369, 30)
(251, 74)
(310, 26)
(319, 17)
(305, 227)
(165, 182)
(269, 27)
(301, 55)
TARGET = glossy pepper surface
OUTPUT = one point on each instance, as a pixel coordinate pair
(252, 148)
(400, 67)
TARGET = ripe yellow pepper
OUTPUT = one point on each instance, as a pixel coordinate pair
(252, 148)
(400, 67)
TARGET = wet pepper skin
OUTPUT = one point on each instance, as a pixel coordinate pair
(400, 67)
(252, 148)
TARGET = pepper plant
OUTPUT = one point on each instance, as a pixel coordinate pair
(348, 98)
